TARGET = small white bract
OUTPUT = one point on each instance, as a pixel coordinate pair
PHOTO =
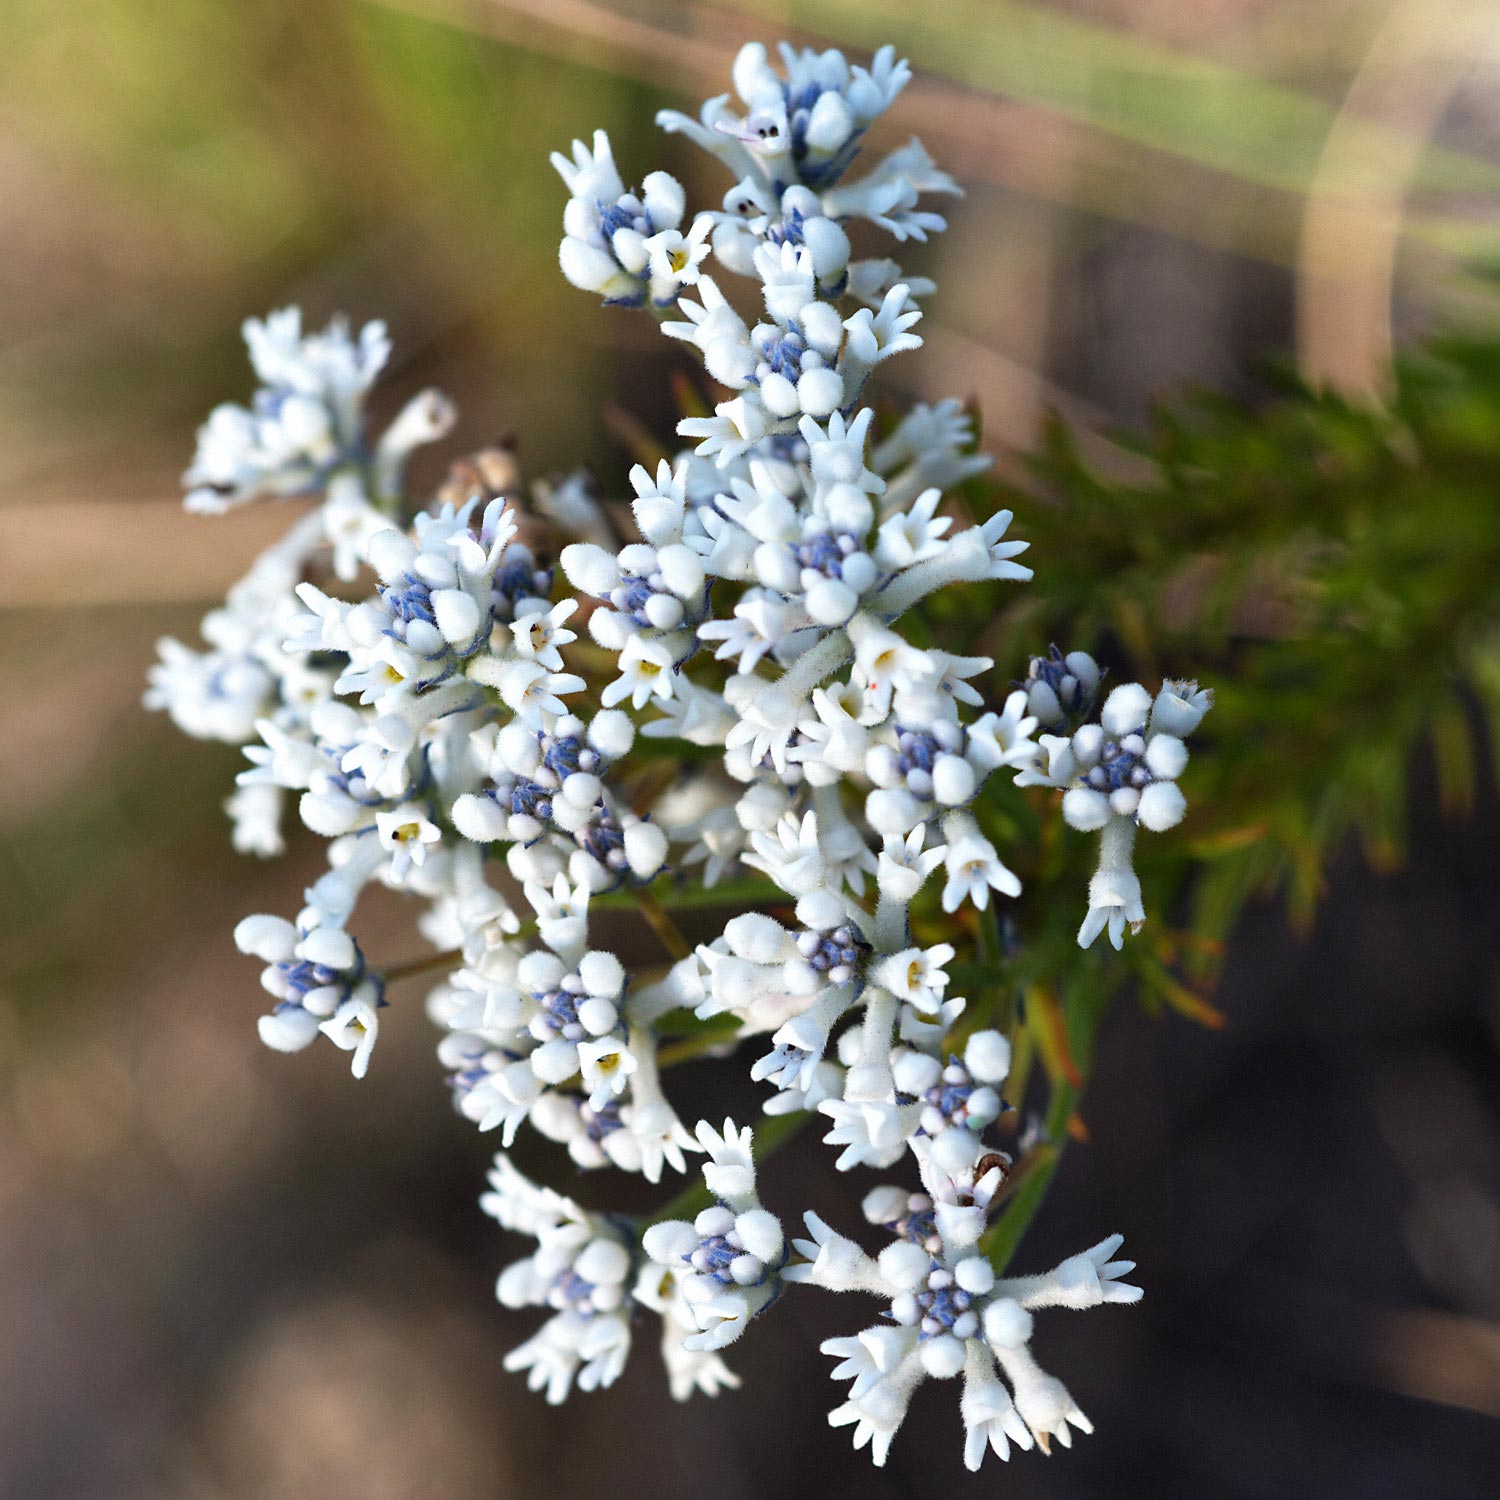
(409, 676)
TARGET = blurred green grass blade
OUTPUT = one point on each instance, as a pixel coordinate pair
(1163, 105)
(1246, 127)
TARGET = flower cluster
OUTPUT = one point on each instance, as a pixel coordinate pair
(1119, 774)
(725, 1265)
(462, 720)
(948, 1314)
(580, 1270)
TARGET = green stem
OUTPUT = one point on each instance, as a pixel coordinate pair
(1003, 1014)
(696, 1046)
(1002, 1237)
(662, 925)
(454, 956)
(421, 965)
(738, 893)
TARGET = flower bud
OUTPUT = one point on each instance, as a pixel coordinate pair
(1126, 709)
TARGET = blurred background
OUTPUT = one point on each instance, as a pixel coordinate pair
(225, 1273)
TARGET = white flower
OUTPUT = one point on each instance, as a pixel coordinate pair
(947, 1314)
(675, 258)
(255, 812)
(579, 1270)
(759, 624)
(529, 689)
(928, 448)
(1041, 1400)
(409, 834)
(1125, 709)
(787, 279)
(316, 974)
(1082, 1281)
(874, 336)
(790, 854)
(305, 419)
(539, 632)
(354, 1027)
(989, 1415)
(1060, 687)
(917, 975)
(1003, 739)
(835, 738)
(879, 1410)
(1179, 708)
(349, 520)
(688, 1370)
(914, 535)
(719, 332)
(561, 914)
(872, 1132)
(646, 671)
(1114, 890)
(608, 245)
(974, 869)
(832, 1261)
(904, 865)
(606, 1066)
(660, 1137)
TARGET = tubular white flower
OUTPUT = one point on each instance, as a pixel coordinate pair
(1114, 890)
(989, 1415)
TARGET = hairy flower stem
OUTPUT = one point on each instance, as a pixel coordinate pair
(783, 702)
(890, 923)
